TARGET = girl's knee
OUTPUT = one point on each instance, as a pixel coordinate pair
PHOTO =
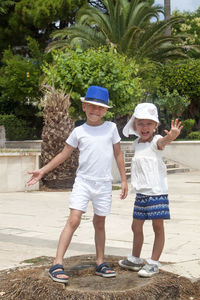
(137, 226)
(158, 226)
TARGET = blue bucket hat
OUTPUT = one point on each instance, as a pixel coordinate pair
(97, 95)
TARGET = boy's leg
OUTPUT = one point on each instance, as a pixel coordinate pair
(100, 237)
(159, 240)
(66, 236)
(138, 236)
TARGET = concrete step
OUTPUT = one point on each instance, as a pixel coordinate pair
(178, 170)
(128, 159)
(129, 155)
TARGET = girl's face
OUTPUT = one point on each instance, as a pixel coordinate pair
(94, 113)
(145, 129)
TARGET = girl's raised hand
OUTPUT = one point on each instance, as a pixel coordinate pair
(175, 130)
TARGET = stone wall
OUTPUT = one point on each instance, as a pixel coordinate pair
(14, 170)
(2, 137)
(15, 165)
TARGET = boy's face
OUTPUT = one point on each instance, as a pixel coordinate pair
(94, 113)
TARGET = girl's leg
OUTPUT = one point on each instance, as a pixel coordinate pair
(158, 227)
(66, 236)
(138, 237)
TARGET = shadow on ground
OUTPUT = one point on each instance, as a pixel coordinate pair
(31, 282)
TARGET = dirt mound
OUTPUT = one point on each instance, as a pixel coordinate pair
(32, 282)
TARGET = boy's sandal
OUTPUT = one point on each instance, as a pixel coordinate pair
(102, 270)
(54, 274)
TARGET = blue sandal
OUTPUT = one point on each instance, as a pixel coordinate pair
(53, 273)
(102, 270)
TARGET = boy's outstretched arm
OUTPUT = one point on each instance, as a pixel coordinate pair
(170, 135)
(119, 157)
(56, 161)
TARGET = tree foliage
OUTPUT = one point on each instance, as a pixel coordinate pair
(35, 18)
(184, 77)
(125, 25)
(19, 76)
(77, 70)
(4, 6)
(190, 28)
(19, 84)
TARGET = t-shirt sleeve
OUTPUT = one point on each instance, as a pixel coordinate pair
(72, 140)
(154, 142)
(116, 138)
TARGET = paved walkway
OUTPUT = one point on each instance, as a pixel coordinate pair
(30, 224)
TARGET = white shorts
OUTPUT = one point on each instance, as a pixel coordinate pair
(100, 193)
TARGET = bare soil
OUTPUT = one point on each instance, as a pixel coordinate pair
(31, 282)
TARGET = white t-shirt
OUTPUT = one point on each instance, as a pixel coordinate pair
(148, 171)
(95, 144)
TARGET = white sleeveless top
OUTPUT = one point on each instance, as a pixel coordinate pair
(148, 171)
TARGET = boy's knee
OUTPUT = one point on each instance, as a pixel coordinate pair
(99, 222)
(74, 222)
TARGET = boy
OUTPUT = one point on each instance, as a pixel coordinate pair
(97, 141)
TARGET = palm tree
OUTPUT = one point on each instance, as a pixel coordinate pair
(57, 127)
(125, 26)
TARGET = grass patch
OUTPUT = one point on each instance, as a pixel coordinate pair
(34, 260)
(116, 187)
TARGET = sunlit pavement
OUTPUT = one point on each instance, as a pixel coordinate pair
(31, 222)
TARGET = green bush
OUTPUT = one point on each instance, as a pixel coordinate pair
(187, 127)
(195, 135)
(77, 70)
(17, 129)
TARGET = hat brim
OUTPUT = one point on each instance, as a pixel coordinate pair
(128, 128)
(94, 102)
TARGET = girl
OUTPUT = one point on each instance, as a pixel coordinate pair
(149, 182)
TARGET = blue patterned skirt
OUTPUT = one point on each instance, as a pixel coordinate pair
(151, 207)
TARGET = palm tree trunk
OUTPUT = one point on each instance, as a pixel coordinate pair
(167, 9)
(57, 127)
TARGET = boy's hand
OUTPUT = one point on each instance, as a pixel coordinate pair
(124, 191)
(175, 130)
(36, 176)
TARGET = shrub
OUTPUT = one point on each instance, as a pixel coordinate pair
(187, 127)
(77, 70)
(17, 129)
(195, 135)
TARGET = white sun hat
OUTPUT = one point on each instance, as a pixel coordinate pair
(142, 111)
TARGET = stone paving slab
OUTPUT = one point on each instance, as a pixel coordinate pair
(31, 222)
